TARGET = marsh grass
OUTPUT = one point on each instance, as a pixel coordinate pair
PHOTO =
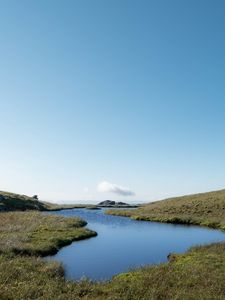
(198, 274)
(207, 209)
(34, 233)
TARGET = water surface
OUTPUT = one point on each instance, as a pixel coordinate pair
(123, 244)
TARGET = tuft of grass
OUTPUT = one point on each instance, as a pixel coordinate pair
(32, 278)
(206, 209)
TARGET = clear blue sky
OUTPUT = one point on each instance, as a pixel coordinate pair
(128, 92)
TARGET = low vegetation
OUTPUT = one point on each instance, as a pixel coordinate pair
(34, 233)
(197, 274)
(206, 209)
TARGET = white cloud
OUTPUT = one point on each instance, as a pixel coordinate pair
(107, 187)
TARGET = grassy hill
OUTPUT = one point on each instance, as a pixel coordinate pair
(11, 201)
(16, 202)
(206, 209)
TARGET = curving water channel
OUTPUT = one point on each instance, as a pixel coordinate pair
(123, 244)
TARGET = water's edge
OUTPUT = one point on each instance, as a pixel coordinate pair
(123, 243)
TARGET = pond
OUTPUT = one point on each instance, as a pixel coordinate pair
(123, 244)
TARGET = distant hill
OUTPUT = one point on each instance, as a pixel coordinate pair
(201, 209)
(11, 201)
(14, 202)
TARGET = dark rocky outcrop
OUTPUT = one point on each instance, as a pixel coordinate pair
(122, 203)
(107, 203)
(111, 203)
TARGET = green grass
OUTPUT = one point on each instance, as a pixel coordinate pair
(198, 274)
(206, 209)
(33, 233)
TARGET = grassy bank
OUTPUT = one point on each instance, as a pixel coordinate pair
(34, 233)
(198, 274)
(206, 209)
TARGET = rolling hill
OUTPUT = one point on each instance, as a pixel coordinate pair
(16, 202)
(206, 209)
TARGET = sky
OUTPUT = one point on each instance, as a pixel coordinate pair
(116, 99)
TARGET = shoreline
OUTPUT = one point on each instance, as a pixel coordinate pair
(33, 234)
(169, 219)
(150, 281)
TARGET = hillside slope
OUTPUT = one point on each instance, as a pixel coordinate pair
(207, 209)
(16, 202)
(11, 201)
